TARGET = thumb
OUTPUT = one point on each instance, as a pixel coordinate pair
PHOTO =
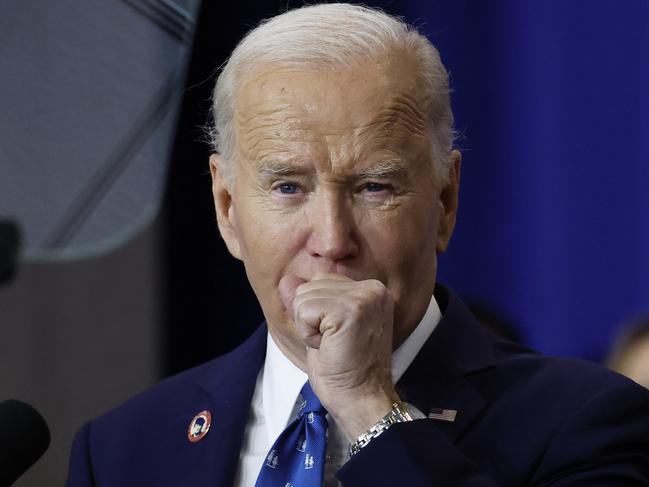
(287, 287)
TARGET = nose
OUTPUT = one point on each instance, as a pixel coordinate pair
(333, 228)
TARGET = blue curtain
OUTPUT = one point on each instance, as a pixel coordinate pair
(552, 106)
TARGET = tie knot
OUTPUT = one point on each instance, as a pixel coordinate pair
(311, 403)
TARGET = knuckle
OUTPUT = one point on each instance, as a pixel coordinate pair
(376, 287)
(356, 311)
(376, 291)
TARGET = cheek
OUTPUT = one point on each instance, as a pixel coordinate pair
(403, 249)
(267, 239)
(269, 249)
(404, 235)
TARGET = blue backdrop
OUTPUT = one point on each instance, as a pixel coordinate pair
(552, 104)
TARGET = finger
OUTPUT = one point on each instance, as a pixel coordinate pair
(307, 292)
(287, 288)
(307, 323)
(322, 280)
(331, 276)
(315, 318)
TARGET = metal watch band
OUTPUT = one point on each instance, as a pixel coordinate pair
(399, 414)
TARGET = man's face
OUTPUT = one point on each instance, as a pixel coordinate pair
(334, 174)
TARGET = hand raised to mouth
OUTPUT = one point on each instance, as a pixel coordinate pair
(346, 326)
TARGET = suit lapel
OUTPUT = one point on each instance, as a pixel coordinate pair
(226, 391)
(438, 377)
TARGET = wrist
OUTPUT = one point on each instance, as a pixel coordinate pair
(399, 413)
(358, 413)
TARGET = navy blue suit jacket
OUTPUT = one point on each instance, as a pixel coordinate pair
(523, 419)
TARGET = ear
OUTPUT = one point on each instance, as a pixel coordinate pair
(448, 201)
(224, 206)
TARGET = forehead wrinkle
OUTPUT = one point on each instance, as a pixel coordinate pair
(402, 111)
(268, 128)
(370, 148)
(262, 119)
(256, 145)
(273, 120)
(365, 159)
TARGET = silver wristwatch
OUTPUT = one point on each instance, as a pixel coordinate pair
(399, 414)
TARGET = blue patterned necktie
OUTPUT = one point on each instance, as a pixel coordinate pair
(297, 457)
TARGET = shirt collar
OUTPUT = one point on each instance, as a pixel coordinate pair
(281, 384)
(403, 356)
(282, 380)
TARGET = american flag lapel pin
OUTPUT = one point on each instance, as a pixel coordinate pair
(443, 414)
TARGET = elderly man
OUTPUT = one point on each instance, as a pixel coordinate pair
(336, 184)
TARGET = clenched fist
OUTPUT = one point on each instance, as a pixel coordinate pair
(346, 326)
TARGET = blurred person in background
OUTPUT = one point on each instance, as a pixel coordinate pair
(630, 353)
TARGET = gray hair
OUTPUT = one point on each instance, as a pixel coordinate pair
(330, 35)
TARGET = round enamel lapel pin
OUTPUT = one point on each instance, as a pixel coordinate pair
(199, 426)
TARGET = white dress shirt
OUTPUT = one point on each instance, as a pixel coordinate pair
(276, 400)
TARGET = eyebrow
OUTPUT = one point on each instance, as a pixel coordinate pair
(384, 169)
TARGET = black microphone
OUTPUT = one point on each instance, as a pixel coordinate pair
(24, 437)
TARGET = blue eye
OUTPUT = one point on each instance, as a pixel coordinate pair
(374, 187)
(287, 188)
